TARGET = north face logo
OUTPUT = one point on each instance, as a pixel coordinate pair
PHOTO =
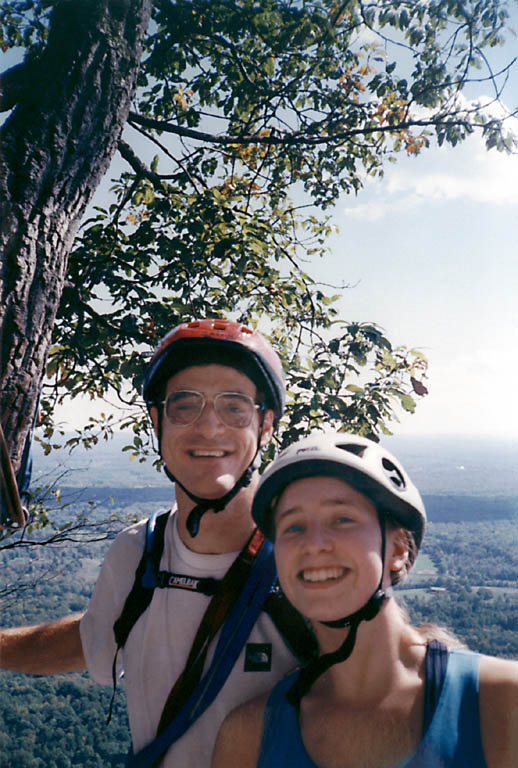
(258, 657)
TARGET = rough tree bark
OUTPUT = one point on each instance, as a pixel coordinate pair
(68, 111)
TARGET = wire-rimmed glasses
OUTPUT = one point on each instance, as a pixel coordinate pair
(235, 409)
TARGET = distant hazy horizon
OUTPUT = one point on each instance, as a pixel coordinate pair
(460, 464)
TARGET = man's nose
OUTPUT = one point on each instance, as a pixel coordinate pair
(208, 420)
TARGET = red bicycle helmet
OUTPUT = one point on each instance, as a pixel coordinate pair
(225, 342)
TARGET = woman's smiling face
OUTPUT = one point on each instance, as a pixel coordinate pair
(327, 547)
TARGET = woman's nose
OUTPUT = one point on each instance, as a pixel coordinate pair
(317, 538)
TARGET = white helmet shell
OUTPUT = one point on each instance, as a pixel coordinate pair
(361, 462)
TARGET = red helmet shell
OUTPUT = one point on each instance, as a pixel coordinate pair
(201, 342)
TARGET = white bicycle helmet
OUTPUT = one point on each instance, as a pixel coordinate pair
(361, 462)
(373, 471)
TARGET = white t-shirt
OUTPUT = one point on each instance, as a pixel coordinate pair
(159, 643)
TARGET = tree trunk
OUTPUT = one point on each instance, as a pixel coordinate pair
(55, 146)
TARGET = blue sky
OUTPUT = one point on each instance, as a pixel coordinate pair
(431, 251)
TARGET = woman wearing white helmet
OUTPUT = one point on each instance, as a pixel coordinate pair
(347, 523)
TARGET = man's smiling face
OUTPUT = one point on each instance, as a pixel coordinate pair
(208, 457)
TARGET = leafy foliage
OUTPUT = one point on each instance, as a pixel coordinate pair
(24, 23)
(251, 119)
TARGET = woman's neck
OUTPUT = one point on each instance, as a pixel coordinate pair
(385, 647)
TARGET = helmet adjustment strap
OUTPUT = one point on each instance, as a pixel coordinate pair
(372, 606)
(314, 669)
(216, 505)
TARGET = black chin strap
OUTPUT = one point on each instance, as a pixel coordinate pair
(314, 669)
(321, 664)
(216, 505)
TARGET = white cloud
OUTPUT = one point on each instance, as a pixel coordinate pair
(468, 172)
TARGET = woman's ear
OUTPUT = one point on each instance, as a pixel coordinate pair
(267, 428)
(399, 550)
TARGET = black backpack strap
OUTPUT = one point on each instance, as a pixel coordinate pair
(436, 661)
(141, 593)
(146, 579)
(291, 624)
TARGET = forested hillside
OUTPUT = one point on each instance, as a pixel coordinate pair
(466, 579)
(56, 721)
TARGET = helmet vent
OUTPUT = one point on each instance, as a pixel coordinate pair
(394, 474)
(358, 450)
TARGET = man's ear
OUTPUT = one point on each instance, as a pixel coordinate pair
(399, 550)
(267, 430)
(153, 414)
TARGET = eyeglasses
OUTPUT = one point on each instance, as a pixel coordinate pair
(235, 410)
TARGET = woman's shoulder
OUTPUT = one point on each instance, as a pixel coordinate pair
(249, 712)
(494, 669)
(241, 733)
(497, 677)
(498, 683)
(239, 738)
(498, 701)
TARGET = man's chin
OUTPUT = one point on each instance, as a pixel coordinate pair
(214, 488)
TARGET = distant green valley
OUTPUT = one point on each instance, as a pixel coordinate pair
(466, 579)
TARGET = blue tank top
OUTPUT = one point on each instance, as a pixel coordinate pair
(452, 740)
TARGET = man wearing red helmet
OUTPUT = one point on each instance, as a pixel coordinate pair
(214, 390)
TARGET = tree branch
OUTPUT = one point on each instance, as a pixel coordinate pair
(299, 138)
(14, 84)
(136, 163)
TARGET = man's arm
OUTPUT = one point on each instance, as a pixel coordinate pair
(498, 700)
(43, 649)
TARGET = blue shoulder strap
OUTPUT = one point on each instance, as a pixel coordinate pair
(234, 633)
